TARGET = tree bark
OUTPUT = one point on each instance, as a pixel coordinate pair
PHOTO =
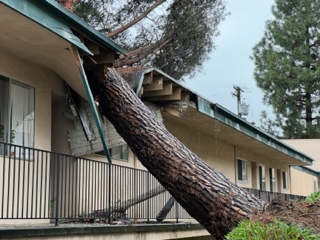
(206, 194)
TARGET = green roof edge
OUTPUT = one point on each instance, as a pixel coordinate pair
(307, 170)
(234, 121)
(81, 25)
(221, 114)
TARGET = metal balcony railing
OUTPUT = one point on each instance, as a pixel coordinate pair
(269, 196)
(38, 184)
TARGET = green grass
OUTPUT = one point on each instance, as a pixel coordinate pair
(276, 230)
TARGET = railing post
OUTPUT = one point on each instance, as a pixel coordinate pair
(57, 189)
(177, 210)
(109, 194)
(148, 201)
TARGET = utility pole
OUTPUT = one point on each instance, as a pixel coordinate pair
(237, 94)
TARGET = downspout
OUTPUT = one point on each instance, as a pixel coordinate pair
(91, 102)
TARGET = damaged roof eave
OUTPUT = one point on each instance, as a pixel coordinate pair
(148, 70)
(223, 115)
(76, 22)
(55, 18)
(34, 10)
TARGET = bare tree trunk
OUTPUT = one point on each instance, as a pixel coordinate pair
(165, 210)
(206, 194)
(124, 205)
(136, 20)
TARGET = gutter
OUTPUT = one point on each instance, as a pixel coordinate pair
(307, 170)
(77, 23)
(91, 102)
(223, 115)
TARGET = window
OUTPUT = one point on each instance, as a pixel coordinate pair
(16, 112)
(285, 180)
(315, 186)
(272, 177)
(118, 152)
(242, 170)
(262, 177)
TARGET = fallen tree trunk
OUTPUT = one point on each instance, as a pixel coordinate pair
(206, 194)
(165, 210)
(123, 206)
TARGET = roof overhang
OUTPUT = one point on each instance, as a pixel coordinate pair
(215, 120)
(23, 37)
(45, 33)
(246, 136)
(307, 170)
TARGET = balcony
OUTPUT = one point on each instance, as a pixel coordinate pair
(58, 188)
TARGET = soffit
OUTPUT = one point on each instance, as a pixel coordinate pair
(225, 133)
(30, 41)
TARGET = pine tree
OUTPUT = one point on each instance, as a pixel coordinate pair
(207, 195)
(287, 66)
(173, 35)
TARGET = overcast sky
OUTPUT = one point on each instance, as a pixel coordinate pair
(230, 62)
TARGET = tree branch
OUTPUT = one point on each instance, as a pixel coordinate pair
(75, 2)
(134, 21)
(139, 54)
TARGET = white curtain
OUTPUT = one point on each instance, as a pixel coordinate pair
(21, 112)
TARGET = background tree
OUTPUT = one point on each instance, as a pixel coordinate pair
(270, 126)
(287, 67)
(172, 35)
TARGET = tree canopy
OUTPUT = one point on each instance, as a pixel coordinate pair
(287, 67)
(173, 35)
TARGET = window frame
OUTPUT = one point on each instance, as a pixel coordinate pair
(285, 184)
(9, 133)
(272, 179)
(243, 178)
(315, 185)
(262, 177)
(123, 151)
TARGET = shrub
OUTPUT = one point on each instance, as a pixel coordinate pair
(313, 197)
(276, 230)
